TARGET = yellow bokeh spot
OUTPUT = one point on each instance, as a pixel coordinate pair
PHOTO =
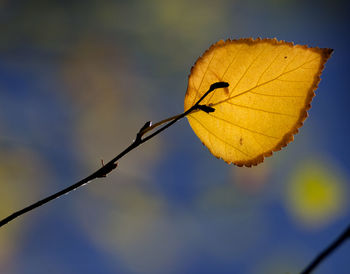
(315, 194)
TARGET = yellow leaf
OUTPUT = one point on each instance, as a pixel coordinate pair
(271, 87)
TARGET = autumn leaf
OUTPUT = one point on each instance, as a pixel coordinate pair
(271, 87)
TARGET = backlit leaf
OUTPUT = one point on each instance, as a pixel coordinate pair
(271, 87)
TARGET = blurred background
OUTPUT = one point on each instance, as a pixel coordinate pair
(77, 81)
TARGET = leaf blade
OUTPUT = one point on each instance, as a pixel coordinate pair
(271, 87)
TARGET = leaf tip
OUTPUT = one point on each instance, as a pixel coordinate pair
(327, 52)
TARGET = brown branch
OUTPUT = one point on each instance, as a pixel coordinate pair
(112, 164)
(328, 251)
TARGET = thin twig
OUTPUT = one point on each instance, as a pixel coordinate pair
(329, 250)
(112, 164)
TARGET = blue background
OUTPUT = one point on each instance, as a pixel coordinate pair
(77, 81)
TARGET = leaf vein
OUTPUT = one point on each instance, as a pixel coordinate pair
(262, 84)
(241, 127)
(246, 71)
(262, 74)
(259, 109)
(223, 75)
(205, 72)
(216, 136)
(272, 95)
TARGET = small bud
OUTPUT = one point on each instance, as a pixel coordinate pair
(206, 109)
(219, 85)
(145, 126)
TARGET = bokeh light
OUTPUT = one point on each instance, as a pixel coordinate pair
(315, 193)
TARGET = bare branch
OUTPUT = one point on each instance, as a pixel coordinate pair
(328, 251)
(112, 164)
